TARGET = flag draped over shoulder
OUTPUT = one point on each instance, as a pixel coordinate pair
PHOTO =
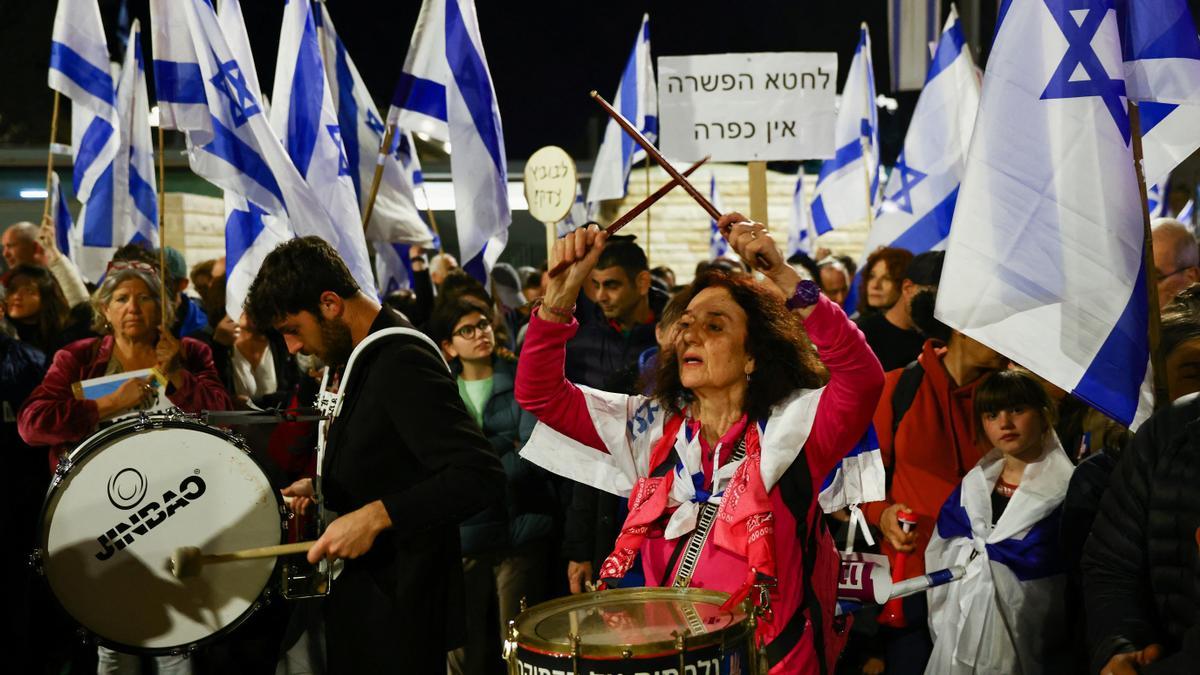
(445, 91)
(1045, 258)
(231, 143)
(918, 201)
(394, 216)
(637, 101)
(848, 184)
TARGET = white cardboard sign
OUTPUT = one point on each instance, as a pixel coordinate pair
(746, 107)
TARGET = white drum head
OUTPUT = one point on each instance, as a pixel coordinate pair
(133, 496)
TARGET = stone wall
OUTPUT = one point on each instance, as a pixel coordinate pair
(195, 224)
(679, 229)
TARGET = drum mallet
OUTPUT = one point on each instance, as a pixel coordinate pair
(186, 561)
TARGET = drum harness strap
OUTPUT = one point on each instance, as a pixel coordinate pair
(704, 522)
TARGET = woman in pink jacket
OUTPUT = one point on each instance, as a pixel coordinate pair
(739, 420)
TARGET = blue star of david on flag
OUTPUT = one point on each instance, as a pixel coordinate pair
(1079, 21)
(335, 132)
(909, 179)
(374, 123)
(232, 83)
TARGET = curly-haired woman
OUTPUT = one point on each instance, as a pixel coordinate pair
(739, 412)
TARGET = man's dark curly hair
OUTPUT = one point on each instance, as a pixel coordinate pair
(784, 358)
(292, 279)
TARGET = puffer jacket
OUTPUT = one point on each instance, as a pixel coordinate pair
(527, 513)
(1139, 565)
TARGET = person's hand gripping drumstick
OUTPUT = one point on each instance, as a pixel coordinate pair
(580, 251)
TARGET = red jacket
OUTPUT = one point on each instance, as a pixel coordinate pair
(934, 447)
(53, 416)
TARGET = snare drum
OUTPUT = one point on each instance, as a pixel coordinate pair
(121, 504)
(634, 630)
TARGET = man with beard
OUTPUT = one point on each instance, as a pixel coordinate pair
(404, 464)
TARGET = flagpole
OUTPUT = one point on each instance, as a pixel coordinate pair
(429, 212)
(162, 227)
(375, 180)
(1157, 365)
(50, 157)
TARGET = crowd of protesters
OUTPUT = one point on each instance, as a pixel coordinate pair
(1080, 539)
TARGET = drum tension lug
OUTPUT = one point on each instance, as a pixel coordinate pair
(575, 640)
(681, 647)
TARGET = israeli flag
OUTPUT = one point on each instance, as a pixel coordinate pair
(1186, 214)
(1156, 199)
(64, 226)
(445, 91)
(576, 217)
(250, 232)
(1044, 262)
(717, 246)
(802, 236)
(637, 101)
(918, 202)
(80, 70)
(848, 184)
(136, 212)
(394, 217)
(235, 147)
(858, 478)
(393, 267)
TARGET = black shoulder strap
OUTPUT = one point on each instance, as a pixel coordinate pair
(905, 392)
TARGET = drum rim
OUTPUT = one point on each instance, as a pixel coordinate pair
(736, 630)
(172, 418)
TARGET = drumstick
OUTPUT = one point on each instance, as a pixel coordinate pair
(666, 166)
(634, 212)
(187, 560)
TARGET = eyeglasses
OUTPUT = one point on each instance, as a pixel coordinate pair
(118, 265)
(469, 331)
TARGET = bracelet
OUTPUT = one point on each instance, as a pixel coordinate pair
(561, 312)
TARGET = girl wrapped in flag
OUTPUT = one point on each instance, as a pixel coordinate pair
(1007, 614)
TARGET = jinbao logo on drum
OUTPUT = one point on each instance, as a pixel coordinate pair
(127, 488)
(149, 516)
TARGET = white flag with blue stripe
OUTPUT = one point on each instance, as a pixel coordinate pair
(1156, 199)
(303, 116)
(717, 246)
(802, 235)
(637, 101)
(918, 202)
(445, 91)
(136, 212)
(394, 216)
(234, 147)
(64, 225)
(576, 217)
(393, 267)
(848, 185)
(1045, 261)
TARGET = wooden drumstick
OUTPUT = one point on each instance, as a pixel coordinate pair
(187, 560)
(653, 153)
(636, 211)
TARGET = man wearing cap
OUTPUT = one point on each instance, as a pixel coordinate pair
(190, 318)
(892, 335)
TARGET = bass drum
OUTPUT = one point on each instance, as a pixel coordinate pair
(121, 504)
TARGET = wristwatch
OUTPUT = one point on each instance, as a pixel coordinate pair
(807, 294)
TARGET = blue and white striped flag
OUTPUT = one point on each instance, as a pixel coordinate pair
(393, 267)
(234, 147)
(1156, 198)
(848, 185)
(445, 91)
(576, 217)
(303, 116)
(918, 202)
(394, 217)
(802, 236)
(717, 246)
(1187, 213)
(1045, 259)
(637, 101)
(80, 69)
(136, 211)
(64, 226)
(858, 478)
(912, 32)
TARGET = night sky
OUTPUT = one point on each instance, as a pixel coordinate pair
(544, 56)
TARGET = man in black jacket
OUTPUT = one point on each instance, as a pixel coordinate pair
(604, 354)
(1140, 562)
(404, 464)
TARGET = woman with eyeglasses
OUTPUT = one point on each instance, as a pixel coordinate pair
(505, 546)
(38, 310)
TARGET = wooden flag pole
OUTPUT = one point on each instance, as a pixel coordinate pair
(375, 180)
(429, 212)
(50, 157)
(162, 222)
(1157, 362)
